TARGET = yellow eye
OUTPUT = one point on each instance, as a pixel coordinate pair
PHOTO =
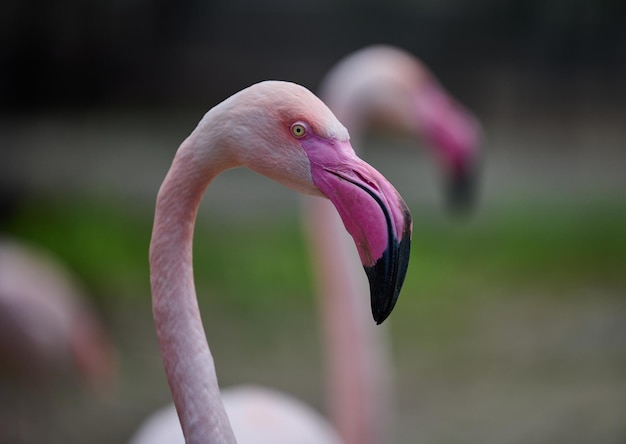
(298, 130)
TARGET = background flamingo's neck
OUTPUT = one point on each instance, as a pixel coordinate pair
(186, 356)
(358, 372)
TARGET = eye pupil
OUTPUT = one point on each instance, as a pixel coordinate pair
(298, 130)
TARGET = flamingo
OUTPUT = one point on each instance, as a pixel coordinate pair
(46, 327)
(283, 131)
(378, 87)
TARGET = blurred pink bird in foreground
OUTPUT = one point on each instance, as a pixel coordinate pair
(380, 88)
(46, 326)
(283, 131)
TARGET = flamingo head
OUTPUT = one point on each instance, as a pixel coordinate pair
(387, 88)
(292, 137)
(404, 102)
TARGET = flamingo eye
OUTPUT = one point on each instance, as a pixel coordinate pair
(298, 130)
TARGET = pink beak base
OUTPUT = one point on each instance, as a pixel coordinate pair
(373, 213)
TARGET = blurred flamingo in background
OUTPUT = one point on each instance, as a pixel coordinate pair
(283, 131)
(386, 88)
(47, 328)
(379, 87)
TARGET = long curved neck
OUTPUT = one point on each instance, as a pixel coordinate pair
(185, 352)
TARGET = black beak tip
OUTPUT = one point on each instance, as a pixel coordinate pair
(379, 317)
(461, 192)
(381, 290)
(386, 277)
(381, 311)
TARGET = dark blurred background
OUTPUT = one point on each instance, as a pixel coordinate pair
(92, 53)
(512, 326)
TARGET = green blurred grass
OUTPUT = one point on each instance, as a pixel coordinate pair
(556, 247)
(519, 296)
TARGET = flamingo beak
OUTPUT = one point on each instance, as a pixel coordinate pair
(373, 213)
(455, 135)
